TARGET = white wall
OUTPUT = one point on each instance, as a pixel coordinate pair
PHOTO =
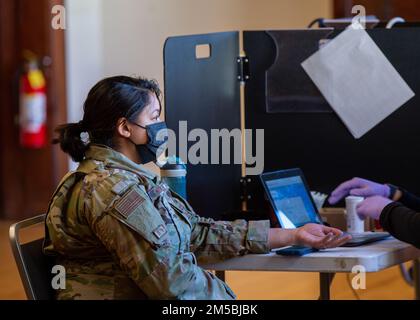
(110, 37)
(84, 52)
(136, 30)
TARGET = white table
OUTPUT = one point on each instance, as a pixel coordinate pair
(373, 257)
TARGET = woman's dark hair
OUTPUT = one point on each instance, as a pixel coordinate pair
(109, 100)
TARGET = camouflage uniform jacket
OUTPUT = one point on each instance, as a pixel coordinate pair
(120, 233)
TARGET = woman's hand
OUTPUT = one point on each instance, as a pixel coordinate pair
(310, 235)
(319, 236)
(359, 187)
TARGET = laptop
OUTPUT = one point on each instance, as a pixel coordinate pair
(294, 207)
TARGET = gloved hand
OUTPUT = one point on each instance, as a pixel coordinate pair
(372, 207)
(359, 187)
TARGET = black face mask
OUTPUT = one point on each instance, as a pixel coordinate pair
(158, 136)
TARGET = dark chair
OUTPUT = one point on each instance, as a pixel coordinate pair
(34, 267)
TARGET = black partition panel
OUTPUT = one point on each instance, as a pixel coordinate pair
(205, 93)
(288, 88)
(313, 138)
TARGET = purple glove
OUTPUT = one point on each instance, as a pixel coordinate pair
(372, 207)
(359, 187)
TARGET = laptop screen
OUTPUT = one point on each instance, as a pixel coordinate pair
(291, 201)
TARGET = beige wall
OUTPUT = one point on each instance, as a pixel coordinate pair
(110, 37)
(136, 30)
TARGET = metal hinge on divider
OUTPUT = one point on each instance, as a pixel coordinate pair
(245, 196)
(243, 68)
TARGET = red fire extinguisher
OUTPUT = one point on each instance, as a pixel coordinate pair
(32, 106)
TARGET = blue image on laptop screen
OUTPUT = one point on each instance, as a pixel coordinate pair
(290, 198)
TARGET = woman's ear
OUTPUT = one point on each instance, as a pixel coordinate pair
(122, 128)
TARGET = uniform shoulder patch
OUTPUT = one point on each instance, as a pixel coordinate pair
(122, 186)
(135, 210)
(129, 202)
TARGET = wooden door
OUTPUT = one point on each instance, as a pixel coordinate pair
(28, 177)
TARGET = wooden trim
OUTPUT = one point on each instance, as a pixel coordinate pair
(58, 97)
(8, 133)
(342, 8)
(384, 10)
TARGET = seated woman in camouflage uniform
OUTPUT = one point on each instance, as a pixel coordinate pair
(119, 232)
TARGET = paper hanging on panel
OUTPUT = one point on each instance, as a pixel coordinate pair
(357, 80)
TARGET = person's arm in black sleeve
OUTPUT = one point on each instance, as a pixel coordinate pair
(401, 222)
(406, 198)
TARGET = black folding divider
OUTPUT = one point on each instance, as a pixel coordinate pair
(205, 93)
(316, 140)
(301, 130)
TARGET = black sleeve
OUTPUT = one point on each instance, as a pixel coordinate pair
(401, 222)
(409, 200)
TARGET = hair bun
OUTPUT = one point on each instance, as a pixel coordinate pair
(70, 140)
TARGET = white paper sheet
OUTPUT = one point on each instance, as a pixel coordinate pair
(357, 80)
